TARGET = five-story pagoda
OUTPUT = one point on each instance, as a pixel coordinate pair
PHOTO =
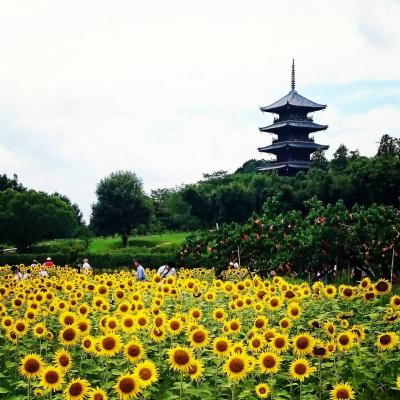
(292, 143)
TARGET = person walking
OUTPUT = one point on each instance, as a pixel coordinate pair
(140, 273)
(166, 270)
(86, 267)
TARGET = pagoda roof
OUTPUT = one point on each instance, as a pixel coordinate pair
(302, 124)
(293, 99)
(293, 144)
(298, 165)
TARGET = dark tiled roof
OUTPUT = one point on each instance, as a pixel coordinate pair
(298, 165)
(308, 125)
(295, 100)
(293, 145)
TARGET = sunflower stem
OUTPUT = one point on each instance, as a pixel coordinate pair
(181, 388)
(29, 389)
(233, 391)
(301, 391)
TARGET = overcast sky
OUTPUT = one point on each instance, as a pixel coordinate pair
(172, 89)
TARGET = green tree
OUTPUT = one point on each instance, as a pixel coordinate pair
(10, 183)
(29, 216)
(340, 158)
(121, 205)
(388, 147)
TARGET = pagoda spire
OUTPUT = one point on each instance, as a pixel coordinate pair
(293, 76)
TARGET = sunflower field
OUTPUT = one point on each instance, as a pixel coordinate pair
(74, 336)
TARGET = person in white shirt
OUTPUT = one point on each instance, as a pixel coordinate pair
(86, 266)
(43, 273)
(166, 270)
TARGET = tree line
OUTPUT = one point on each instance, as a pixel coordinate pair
(122, 207)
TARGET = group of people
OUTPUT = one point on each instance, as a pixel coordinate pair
(164, 271)
(19, 276)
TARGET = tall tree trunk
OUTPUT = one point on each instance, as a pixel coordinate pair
(124, 237)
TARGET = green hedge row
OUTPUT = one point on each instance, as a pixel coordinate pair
(105, 260)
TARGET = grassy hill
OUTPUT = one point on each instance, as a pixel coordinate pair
(162, 243)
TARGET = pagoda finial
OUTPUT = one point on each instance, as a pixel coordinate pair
(293, 76)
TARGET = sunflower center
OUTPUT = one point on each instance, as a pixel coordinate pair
(274, 303)
(69, 334)
(133, 350)
(236, 365)
(192, 369)
(181, 357)
(63, 360)
(319, 351)
(109, 343)
(234, 326)
(385, 339)
(289, 294)
(294, 312)
(262, 390)
(344, 339)
(300, 369)
(342, 394)
(98, 396)
(199, 337)
(259, 323)
(52, 377)
(382, 286)
(69, 320)
(145, 374)
(279, 343)
(87, 343)
(127, 385)
(256, 343)
(128, 322)
(20, 327)
(174, 325)
(222, 346)
(269, 362)
(302, 343)
(75, 389)
(32, 365)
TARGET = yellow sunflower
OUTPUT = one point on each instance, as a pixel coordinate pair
(109, 344)
(52, 378)
(98, 394)
(342, 391)
(77, 389)
(196, 370)
(269, 362)
(262, 390)
(147, 373)
(31, 366)
(128, 386)
(221, 346)
(236, 367)
(134, 351)
(180, 358)
(63, 360)
(301, 369)
(68, 336)
(199, 338)
(279, 343)
(383, 286)
(387, 341)
(302, 343)
(345, 340)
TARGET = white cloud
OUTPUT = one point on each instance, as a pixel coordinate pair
(171, 89)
